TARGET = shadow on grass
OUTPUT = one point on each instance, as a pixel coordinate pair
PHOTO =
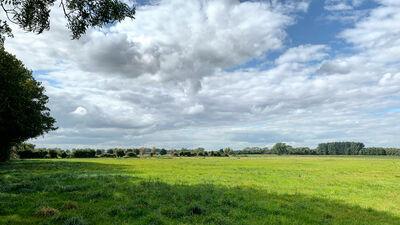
(92, 193)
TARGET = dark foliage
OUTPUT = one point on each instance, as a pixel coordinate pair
(108, 155)
(23, 111)
(281, 149)
(34, 15)
(163, 152)
(53, 153)
(120, 153)
(32, 154)
(25, 151)
(84, 153)
(131, 155)
(340, 148)
(64, 154)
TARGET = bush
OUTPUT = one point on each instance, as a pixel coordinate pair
(74, 221)
(29, 154)
(110, 151)
(47, 212)
(64, 154)
(84, 153)
(120, 153)
(131, 155)
(108, 155)
(99, 152)
(163, 152)
(53, 153)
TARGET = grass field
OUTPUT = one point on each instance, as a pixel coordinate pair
(246, 190)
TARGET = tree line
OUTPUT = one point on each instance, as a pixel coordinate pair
(28, 151)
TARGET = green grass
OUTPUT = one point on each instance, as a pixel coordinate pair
(247, 190)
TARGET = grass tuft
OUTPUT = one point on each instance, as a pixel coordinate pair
(47, 212)
(74, 221)
(69, 205)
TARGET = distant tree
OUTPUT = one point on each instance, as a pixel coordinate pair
(142, 151)
(84, 153)
(174, 153)
(23, 111)
(153, 151)
(340, 148)
(110, 151)
(281, 149)
(64, 154)
(53, 153)
(163, 152)
(120, 153)
(99, 151)
(228, 151)
(373, 151)
(131, 154)
(34, 15)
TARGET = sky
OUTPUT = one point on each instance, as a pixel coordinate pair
(223, 73)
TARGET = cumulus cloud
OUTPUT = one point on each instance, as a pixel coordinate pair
(345, 11)
(79, 111)
(162, 79)
(303, 53)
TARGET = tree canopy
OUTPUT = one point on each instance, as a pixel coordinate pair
(23, 110)
(34, 15)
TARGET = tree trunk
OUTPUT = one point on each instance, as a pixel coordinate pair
(5, 150)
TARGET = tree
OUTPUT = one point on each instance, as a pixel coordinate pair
(227, 151)
(34, 15)
(340, 148)
(23, 111)
(281, 149)
(120, 153)
(163, 152)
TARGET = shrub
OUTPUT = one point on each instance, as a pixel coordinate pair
(64, 154)
(70, 205)
(74, 221)
(32, 154)
(99, 152)
(163, 152)
(47, 212)
(136, 151)
(84, 153)
(195, 210)
(131, 154)
(53, 153)
(110, 151)
(108, 155)
(120, 153)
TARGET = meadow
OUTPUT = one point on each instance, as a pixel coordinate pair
(227, 190)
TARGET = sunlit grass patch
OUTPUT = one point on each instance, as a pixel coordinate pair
(270, 190)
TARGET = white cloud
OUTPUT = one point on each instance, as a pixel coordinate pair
(160, 80)
(195, 109)
(303, 53)
(79, 111)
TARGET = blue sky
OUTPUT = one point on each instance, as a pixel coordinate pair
(224, 73)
